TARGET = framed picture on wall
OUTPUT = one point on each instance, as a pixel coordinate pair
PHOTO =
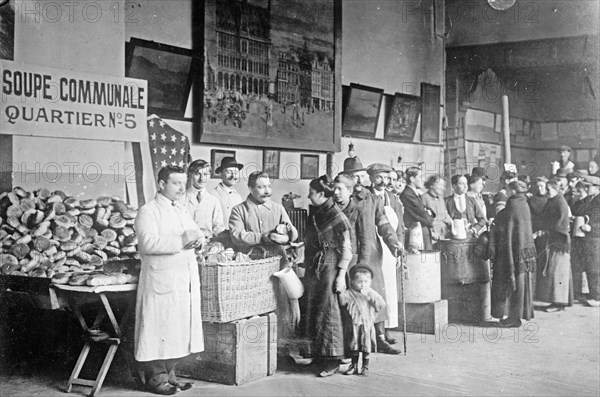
(430, 113)
(169, 71)
(271, 163)
(216, 156)
(362, 111)
(309, 166)
(402, 116)
(271, 76)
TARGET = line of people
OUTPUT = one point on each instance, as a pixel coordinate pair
(356, 229)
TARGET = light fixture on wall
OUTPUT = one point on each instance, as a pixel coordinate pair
(501, 5)
(351, 152)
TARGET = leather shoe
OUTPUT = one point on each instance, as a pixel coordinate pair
(509, 323)
(165, 389)
(352, 370)
(181, 384)
(328, 372)
(384, 347)
(364, 371)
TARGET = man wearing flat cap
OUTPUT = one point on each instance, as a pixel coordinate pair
(225, 191)
(375, 224)
(379, 177)
(591, 241)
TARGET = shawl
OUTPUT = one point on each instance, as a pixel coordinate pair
(555, 221)
(512, 235)
(536, 205)
(329, 218)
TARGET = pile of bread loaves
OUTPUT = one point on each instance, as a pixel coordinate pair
(43, 233)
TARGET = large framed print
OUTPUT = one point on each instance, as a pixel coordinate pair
(361, 111)
(271, 75)
(169, 71)
(402, 117)
(430, 113)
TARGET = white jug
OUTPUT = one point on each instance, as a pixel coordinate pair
(290, 281)
(459, 228)
(580, 221)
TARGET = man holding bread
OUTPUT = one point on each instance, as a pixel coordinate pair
(260, 221)
(168, 323)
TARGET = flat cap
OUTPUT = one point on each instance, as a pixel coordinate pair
(378, 167)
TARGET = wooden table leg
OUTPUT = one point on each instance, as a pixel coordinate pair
(79, 365)
(112, 349)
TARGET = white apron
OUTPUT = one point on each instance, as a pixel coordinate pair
(388, 267)
(168, 318)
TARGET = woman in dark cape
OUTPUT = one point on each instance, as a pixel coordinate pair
(555, 280)
(328, 252)
(513, 253)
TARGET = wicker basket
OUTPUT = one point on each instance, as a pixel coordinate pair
(233, 290)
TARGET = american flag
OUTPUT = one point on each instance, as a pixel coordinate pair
(167, 146)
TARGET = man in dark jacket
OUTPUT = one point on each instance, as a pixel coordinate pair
(461, 206)
(376, 223)
(592, 240)
(414, 210)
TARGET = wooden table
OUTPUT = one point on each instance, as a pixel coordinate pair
(75, 296)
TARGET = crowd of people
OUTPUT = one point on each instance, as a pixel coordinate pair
(540, 236)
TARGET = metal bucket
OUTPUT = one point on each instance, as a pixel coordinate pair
(462, 262)
(422, 281)
(468, 303)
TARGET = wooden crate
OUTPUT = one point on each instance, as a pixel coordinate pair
(236, 352)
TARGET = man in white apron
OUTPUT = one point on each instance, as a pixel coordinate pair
(168, 324)
(379, 177)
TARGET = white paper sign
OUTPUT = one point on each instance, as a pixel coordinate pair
(41, 101)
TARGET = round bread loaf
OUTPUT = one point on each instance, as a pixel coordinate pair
(61, 278)
(87, 204)
(71, 203)
(103, 201)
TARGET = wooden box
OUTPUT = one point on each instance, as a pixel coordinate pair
(424, 318)
(236, 352)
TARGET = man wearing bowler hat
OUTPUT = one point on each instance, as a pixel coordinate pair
(375, 224)
(225, 190)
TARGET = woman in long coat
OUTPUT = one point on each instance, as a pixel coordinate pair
(328, 253)
(513, 253)
(555, 280)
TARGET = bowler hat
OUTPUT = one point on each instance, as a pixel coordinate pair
(377, 168)
(228, 162)
(352, 164)
(479, 171)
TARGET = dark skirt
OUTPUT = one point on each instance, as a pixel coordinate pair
(323, 322)
(555, 281)
(517, 304)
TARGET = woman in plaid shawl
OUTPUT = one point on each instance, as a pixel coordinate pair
(328, 253)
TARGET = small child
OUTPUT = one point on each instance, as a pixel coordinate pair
(361, 304)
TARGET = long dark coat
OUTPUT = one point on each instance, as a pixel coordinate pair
(513, 253)
(376, 222)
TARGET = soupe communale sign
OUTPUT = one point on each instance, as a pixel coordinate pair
(41, 101)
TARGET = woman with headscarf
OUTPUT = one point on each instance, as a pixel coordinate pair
(512, 250)
(328, 253)
(555, 281)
